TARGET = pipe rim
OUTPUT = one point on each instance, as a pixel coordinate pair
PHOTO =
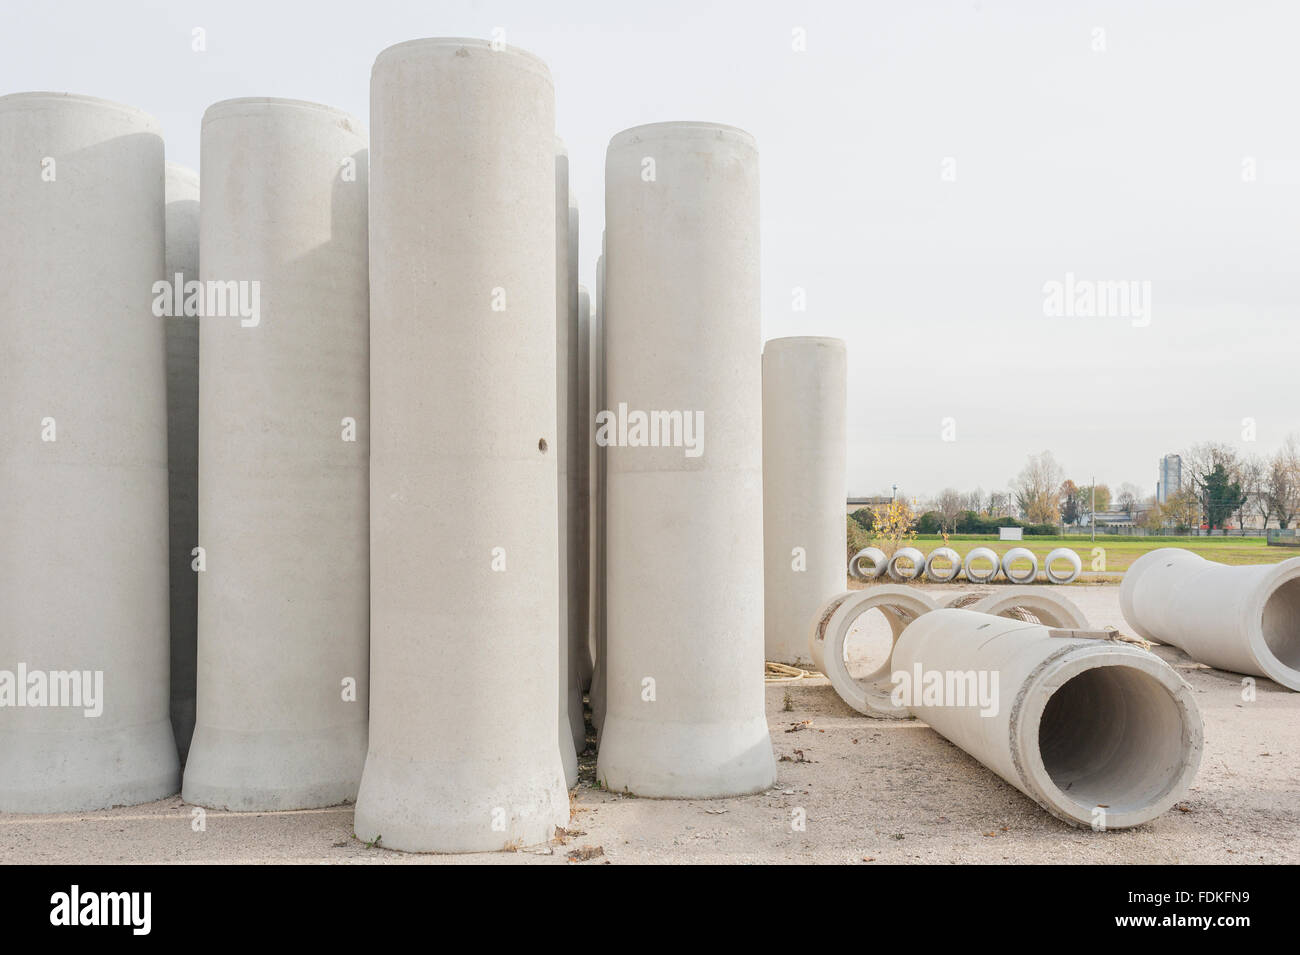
(435, 42)
(1063, 613)
(982, 553)
(666, 129)
(1068, 554)
(1054, 673)
(948, 554)
(37, 96)
(878, 562)
(1283, 576)
(830, 632)
(918, 564)
(1018, 553)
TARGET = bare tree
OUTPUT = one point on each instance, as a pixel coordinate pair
(1128, 498)
(1000, 504)
(1253, 479)
(977, 501)
(1036, 489)
(950, 504)
(1283, 482)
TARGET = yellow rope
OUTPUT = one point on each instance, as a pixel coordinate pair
(780, 673)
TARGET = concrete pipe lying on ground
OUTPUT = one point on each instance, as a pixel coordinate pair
(977, 576)
(1242, 619)
(1066, 554)
(897, 572)
(1015, 576)
(938, 575)
(900, 605)
(868, 563)
(1027, 603)
(1097, 732)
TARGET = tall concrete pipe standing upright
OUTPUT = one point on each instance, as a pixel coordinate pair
(182, 191)
(283, 446)
(804, 398)
(464, 536)
(585, 523)
(564, 337)
(596, 693)
(1244, 619)
(579, 660)
(83, 458)
(1099, 733)
(684, 712)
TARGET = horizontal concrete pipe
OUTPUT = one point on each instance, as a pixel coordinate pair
(938, 574)
(1074, 566)
(1020, 575)
(1240, 619)
(1099, 733)
(973, 568)
(867, 564)
(907, 563)
(870, 694)
(1031, 604)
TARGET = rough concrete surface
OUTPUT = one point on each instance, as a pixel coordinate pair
(878, 790)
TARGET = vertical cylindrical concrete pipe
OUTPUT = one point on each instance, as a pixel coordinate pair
(577, 553)
(596, 693)
(83, 458)
(805, 394)
(1099, 733)
(283, 447)
(564, 405)
(182, 192)
(464, 537)
(584, 432)
(684, 711)
(1244, 619)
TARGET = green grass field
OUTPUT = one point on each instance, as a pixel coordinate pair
(1120, 552)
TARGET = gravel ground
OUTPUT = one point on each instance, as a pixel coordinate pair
(872, 792)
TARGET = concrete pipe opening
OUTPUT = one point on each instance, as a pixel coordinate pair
(1239, 618)
(908, 563)
(1281, 624)
(1013, 565)
(974, 567)
(1030, 604)
(1057, 575)
(849, 669)
(867, 564)
(1113, 739)
(935, 569)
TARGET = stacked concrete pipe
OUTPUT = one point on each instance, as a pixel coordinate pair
(284, 605)
(804, 399)
(897, 572)
(868, 563)
(900, 605)
(463, 396)
(1242, 619)
(83, 453)
(1097, 732)
(684, 706)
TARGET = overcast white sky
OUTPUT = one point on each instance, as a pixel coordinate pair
(1122, 164)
